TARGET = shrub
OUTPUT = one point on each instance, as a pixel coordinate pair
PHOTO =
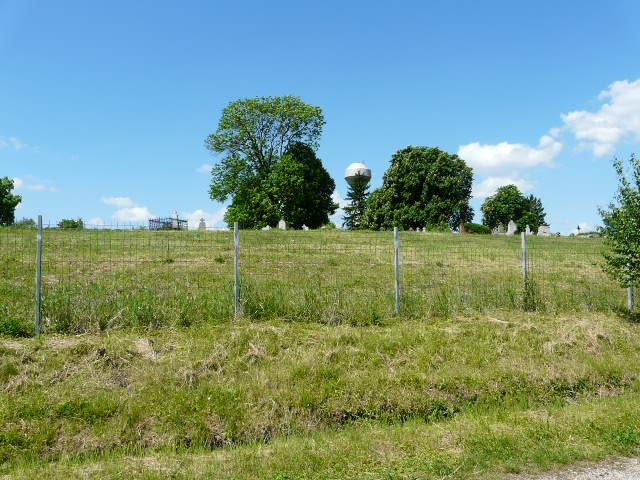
(475, 228)
(68, 223)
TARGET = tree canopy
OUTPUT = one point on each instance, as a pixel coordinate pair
(263, 140)
(422, 187)
(253, 134)
(303, 188)
(621, 229)
(508, 203)
(8, 201)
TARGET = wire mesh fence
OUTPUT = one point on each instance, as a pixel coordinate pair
(121, 276)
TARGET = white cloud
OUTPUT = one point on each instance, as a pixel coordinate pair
(489, 185)
(507, 157)
(18, 183)
(213, 220)
(337, 217)
(616, 120)
(96, 221)
(204, 168)
(132, 214)
(121, 202)
(128, 210)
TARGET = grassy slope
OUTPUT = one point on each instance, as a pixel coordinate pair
(96, 280)
(254, 400)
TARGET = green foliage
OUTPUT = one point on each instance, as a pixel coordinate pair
(25, 223)
(8, 201)
(423, 186)
(303, 188)
(476, 228)
(357, 198)
(71, 224)
(508, 203)
(621, 228)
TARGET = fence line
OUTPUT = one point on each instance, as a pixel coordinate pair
(101, 278)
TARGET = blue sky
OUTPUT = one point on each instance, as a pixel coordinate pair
(104, 106)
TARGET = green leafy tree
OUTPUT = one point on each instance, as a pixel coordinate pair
(303, 188)
(8, 201)
(621, 229)
(71, 224)
(422, 187)
(508, 203)
(357, 197)
(253, 134)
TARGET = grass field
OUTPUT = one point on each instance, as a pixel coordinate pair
(143, 372)
(100, 279)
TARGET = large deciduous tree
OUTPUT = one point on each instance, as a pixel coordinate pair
(303, 188)
(621, 228)
(508, 203)
(253, 134)
(422, 187)
(8, 201)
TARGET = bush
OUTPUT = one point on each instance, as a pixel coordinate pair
(25, 223)
(475, 228)
(67, 223)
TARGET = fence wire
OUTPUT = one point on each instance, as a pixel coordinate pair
(110, 277)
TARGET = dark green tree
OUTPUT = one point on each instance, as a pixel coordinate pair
(621, 229)
(253, 134)
(422, 187)
(508, 203)
(303, 188)
(8, 201)
(356, 198)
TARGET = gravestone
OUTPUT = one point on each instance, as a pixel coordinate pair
(411, 229)
(527, 230)
(512, 228)
(544, 231)
(267, 228)
(499, 230)
(282, 225)
(305, 228)
(202, 225)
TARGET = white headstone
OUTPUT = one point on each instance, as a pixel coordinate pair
(512, 228)
(499, 230)
(527, 230)
(267, 228)
(305, 228)
(282, 225)
(202, 225)
(544, 231)
(411, 229)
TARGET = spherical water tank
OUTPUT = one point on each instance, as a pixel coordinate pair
(357, 169)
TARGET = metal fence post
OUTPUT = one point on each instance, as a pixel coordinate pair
(38, 326)
(525, 269)
(396, 248)
(630, 299)
(236, 270)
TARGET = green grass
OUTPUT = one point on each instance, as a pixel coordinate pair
(96, 280)
(222, 395)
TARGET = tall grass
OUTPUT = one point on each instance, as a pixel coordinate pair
(101, 279)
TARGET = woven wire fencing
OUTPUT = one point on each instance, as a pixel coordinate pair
(104, 277)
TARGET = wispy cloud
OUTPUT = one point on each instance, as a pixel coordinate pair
(12, 142)
(34, 186)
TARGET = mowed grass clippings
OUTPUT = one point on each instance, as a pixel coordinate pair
(245, 385)
(95, 280)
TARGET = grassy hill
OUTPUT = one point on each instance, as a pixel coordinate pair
(144, 373)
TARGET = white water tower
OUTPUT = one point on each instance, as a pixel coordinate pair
(356, 170)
